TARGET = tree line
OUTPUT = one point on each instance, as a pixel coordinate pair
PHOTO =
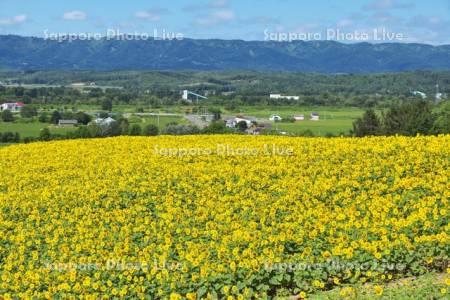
(405, 118)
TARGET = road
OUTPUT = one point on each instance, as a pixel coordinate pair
(196, 120)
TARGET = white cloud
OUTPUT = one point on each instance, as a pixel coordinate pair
(387, 4)
(215, 4)
(344, 23)
(224, 15)
(74, 15)
(218, 3)
(19, 19)
(147, 15)
(434, 20)
(380, 4)
(216, 17)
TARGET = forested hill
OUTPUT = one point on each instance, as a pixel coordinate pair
(27, 53)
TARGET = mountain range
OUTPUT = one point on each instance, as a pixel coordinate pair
(33, 53)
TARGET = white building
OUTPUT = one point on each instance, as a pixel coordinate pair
(185, 95)
(275, 118)
(193, 96)
(279, 96)
(104, 122)
(232, 123)
(315, 116)
(67, 122)
(17, 106)
(83, 84)
(419, 93)
(299, 118)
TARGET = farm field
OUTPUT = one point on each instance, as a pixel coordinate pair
(290, 111)
(332, 120)
(32, 129)
(318, 128)
(162, 121)
(236, 217)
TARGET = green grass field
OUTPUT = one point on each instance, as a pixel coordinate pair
(163, 121)
(319, 128)
(332, 120)
(289, 111)
(32, 129)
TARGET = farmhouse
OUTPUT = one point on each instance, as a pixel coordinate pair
(67, 122)
(315, 116)
(17, 106)
(104, 122)
(279, 96)
(232, 123)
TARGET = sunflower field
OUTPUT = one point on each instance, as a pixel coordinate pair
(220, 217)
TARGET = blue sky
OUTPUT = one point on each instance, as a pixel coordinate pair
(410, 20)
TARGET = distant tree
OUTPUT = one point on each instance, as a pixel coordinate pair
(43, 117)
(135, 130)
(306, 133)
(45, 134)
(216, 127)
(9, 137)
(151, 130)
(231, 105)
(82, 118)
(103, 115)
(242, 126)
(83, 132)
(368, 125)
(409, 118)
(442, 119)
(7, 116)
(107, 104)
(181, 129)
(217, 114)
(95, 92)
(287, 120)
(28, 139)
(124, 126)
(56, 116)
(28, 112)
(113, 129)
(16, 137)
(94, 130)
